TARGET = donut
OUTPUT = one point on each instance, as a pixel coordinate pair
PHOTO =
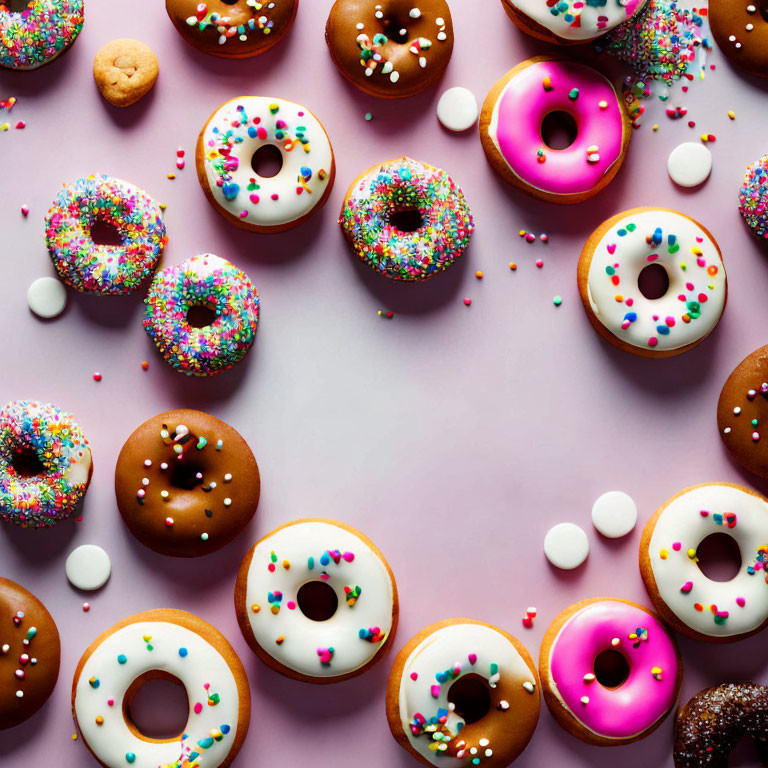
(232, 29)
(40, 33)
(104, 269)
(610, 671)
(29, 654)
(211, 283)
(682, 251)
(753, 197)
(186, 483)
(513, 119)
(465, 690)
(694, 604)
(372, 225)
(171, 645)
(390, 48)
(317, 601)
(226, 156)
(45, 464)
(569, 22)
(740, 29)
(712, 722)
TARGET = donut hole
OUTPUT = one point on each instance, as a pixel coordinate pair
(186, 475)
(26, 463)
(103, 232)
(406, 220)
(653, 281)
(201, 315)
(471, 698)
(611, 668)
(396, 31)
(267, 161)
(558, 130)
(719, 557)
(317, 600)
(230, 2)
(156, 707)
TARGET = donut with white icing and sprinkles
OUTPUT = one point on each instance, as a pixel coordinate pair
(45, 464)
(186, 483)
(228, 144)
(435, 230)
(462, 692)
(613, 265)
(570, 22)
(235, 29)
(694, 604)
(104, 269)
(740, 29)
(172, 645)
(29, 654)
(610, 671)
(513, 129)
(39, 33)
(390, 48)
(317, 601)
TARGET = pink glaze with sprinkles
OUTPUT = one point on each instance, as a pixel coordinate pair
(647, 694)
(559, 86)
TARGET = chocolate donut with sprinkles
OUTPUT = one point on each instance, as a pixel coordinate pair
(29, 654)
(45, 464)
(686, 598)
(186, 483)
(232, 29)
(317, 601)
(226, 329)
(104, 269)
(165, 644)
(679, 304)
(406, 219)
(740, 28)
(228, 155)
(390, 48)
(715, 720)
(38, 34)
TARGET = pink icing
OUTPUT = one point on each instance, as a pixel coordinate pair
(642, 699)
(525, 103)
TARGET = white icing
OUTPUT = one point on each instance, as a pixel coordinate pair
(88, 567)
(682, 522)
(290, 205)
(303, 636)
(614, 514)
(689, 164)
(685, 268)
(566, 546)
(47, 297)
(440, 651)
(580, 21)
(457, 109)
(112, 741)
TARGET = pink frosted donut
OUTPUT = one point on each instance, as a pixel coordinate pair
(610, 671)
(513, 120)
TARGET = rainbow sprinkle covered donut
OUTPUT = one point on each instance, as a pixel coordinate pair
(104, 269)
(203, 281)
(410, 187)
(39, 33)
(45, 464)
(753, 197)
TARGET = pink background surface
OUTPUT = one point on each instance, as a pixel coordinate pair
(453, 436)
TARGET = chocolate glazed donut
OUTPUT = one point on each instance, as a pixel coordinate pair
(711, 724)
(186, 483)
(740, 28)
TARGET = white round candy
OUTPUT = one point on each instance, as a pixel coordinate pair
(689, 164)
(88, 567)
(566, 546)
(457, 109)
(614, 514)
(47, 297)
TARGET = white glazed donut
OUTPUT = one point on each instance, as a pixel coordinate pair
(169, 644)
(694, 604)
(439, 681)
(357, 625)
(227, 144)
(610, 267)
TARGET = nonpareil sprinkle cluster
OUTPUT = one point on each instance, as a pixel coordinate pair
(227, 29)
(753, 197)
